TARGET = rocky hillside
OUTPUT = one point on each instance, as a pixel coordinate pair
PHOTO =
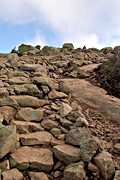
(56, 122)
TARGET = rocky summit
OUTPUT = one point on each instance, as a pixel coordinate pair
(56, 120)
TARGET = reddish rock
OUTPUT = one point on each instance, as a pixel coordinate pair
(106, 165)
(67, 153)
(12, 174)
(25, 157)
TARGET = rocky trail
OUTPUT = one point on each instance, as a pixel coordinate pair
(56, 122)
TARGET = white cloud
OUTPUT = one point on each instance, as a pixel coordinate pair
(90, 40)
(37, 40)
(91, 22)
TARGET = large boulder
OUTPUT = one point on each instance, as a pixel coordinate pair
(48, 50)
(107, 50)
(67, 47)
(12, 58)
(82, 138)
(23, 48)
(116, 50)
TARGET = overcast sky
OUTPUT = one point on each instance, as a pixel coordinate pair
(94, 23)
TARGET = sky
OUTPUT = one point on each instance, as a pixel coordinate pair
(94, 23)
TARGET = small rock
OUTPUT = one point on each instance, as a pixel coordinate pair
(57, 174)
(93, 168)
(81, 122)
(66, 123)
(117, 148)
(4, 165)
(49, 124)
(64, 88)
(45, 89)
(1, 118)
(61, 137)
(55, 94)
(74, 74)
(1, 84)
(41, 71)
(7, 113)
(58, 165)
(65, 109)
(3, 92)
(55, 132)
(117, 175)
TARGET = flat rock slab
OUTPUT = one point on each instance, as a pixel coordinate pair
(29, 114)
(37, 138)
(40, 159)
(55, 94)
(29, 89)
(46, 81)
(24, 127)
(29, 101)
(28, 67)
(89, 67)
(19, 80)
(95, 97)
(67, 153)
